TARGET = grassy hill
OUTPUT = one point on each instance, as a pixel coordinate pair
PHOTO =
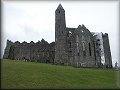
(19, 74)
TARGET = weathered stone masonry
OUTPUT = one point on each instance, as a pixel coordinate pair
(76, 47)
(40, 51)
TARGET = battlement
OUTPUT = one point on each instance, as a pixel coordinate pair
(26, 43)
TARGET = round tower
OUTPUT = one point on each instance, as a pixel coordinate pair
(60, 36)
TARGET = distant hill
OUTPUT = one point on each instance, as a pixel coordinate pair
(20, 74)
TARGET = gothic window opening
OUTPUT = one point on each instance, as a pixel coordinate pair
(83, 46)
(77, 39)
(77, 48)
(59, 11)
(70, 33)
(98, 39)
(84, 53)
(89, 49)
(82, 30)
(98, 44)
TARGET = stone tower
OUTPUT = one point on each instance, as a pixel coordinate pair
(6, 52)
(61, 56)
(107, 52)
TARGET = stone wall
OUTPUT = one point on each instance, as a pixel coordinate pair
(107, 52)
(38, 52)
(77, 46)
(80, 47)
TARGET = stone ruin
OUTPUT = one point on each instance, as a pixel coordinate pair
(76, 47)
(40, 51)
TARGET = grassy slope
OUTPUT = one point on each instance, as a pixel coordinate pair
(19, 74)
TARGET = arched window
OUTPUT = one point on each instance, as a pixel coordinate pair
(89, 49)
(77, 49)
(70, 32)
(77, 38)
(98, 39)
(83, 46)
(84, 53)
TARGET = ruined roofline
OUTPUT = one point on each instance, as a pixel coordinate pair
(82, 26)
(94, 33)
(31, 42)
(9, 41)
(70, 28)
(105, 34)
(79, 28)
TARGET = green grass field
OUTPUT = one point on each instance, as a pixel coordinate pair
(19, 74)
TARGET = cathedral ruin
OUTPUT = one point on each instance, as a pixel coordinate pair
(77, 47)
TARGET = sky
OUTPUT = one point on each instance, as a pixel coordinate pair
(34, 20)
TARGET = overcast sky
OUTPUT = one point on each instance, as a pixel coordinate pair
(34, 20)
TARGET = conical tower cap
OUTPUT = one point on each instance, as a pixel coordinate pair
(60, 7)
